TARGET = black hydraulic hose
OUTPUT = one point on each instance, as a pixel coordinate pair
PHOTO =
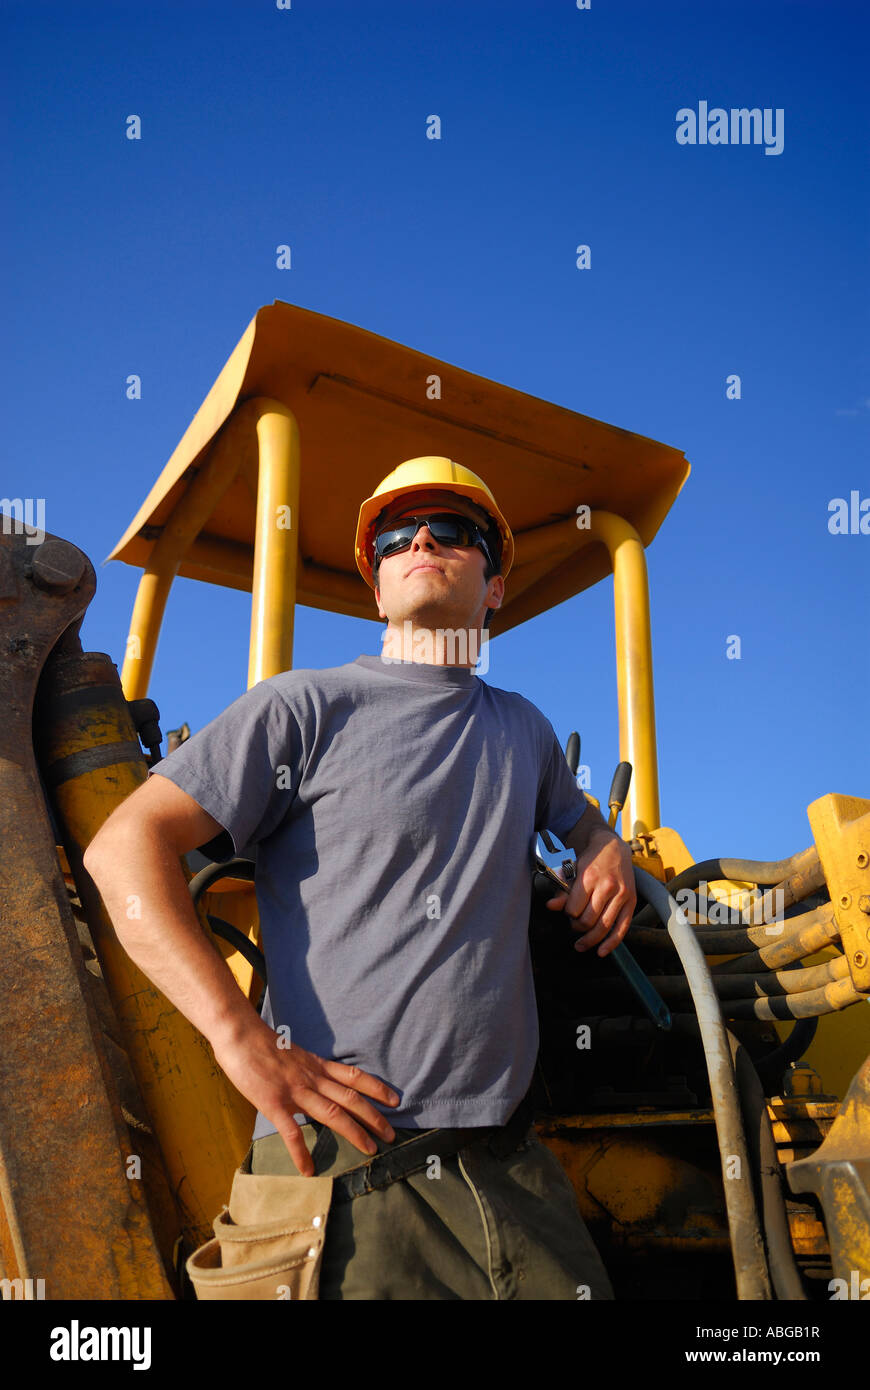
(771, 1067)
(756, 927)
(747, 1247)
(767, 946)
(781, 1262)
(817, 931)
(744, 870)
(794, 878)
(243, 944)
(232, 868)
(815, 1002)
(713, 943)
(734, 985)
(768, 985)
(212, 873)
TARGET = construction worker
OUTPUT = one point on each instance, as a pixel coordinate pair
(392, 804)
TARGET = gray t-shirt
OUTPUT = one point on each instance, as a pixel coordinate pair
(392, 809)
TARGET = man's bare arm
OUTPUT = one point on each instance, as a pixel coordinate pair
(138, 852)
(602, 899)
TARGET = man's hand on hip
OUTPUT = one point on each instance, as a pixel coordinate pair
(282, 1079)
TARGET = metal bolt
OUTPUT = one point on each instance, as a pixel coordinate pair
(801, 1080)
(57, 566)
(845, 900)
(863, 859)
(860, 959)
(864, 902)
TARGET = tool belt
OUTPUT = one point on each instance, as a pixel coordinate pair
(268, 1243)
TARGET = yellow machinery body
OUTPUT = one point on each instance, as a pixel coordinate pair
(261, 495)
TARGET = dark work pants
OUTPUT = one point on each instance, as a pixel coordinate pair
(468, 1227)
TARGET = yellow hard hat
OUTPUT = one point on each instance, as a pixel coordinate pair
(422, 475)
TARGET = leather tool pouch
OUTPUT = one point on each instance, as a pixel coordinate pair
(268, 1243)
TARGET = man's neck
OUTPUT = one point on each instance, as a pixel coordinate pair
(433, 646)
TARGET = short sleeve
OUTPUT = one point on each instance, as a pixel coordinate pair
(244, 767)
(560, 802)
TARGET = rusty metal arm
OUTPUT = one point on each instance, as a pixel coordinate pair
(72, 1217)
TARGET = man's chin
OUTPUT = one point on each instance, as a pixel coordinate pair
(432, 617)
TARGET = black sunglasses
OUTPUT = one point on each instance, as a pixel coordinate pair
(447, 528)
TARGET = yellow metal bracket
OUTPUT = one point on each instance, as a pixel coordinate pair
(841, 830)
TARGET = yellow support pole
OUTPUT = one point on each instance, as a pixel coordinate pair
(217, 471)
(276, 545)
(634, 670)
(535, 552)
(151, 597)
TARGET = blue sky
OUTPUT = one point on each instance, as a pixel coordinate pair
(261, 126)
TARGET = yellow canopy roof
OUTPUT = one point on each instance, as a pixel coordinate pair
(362, 404)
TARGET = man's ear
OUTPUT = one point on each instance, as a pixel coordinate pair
(496, 591)
(381, 613)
